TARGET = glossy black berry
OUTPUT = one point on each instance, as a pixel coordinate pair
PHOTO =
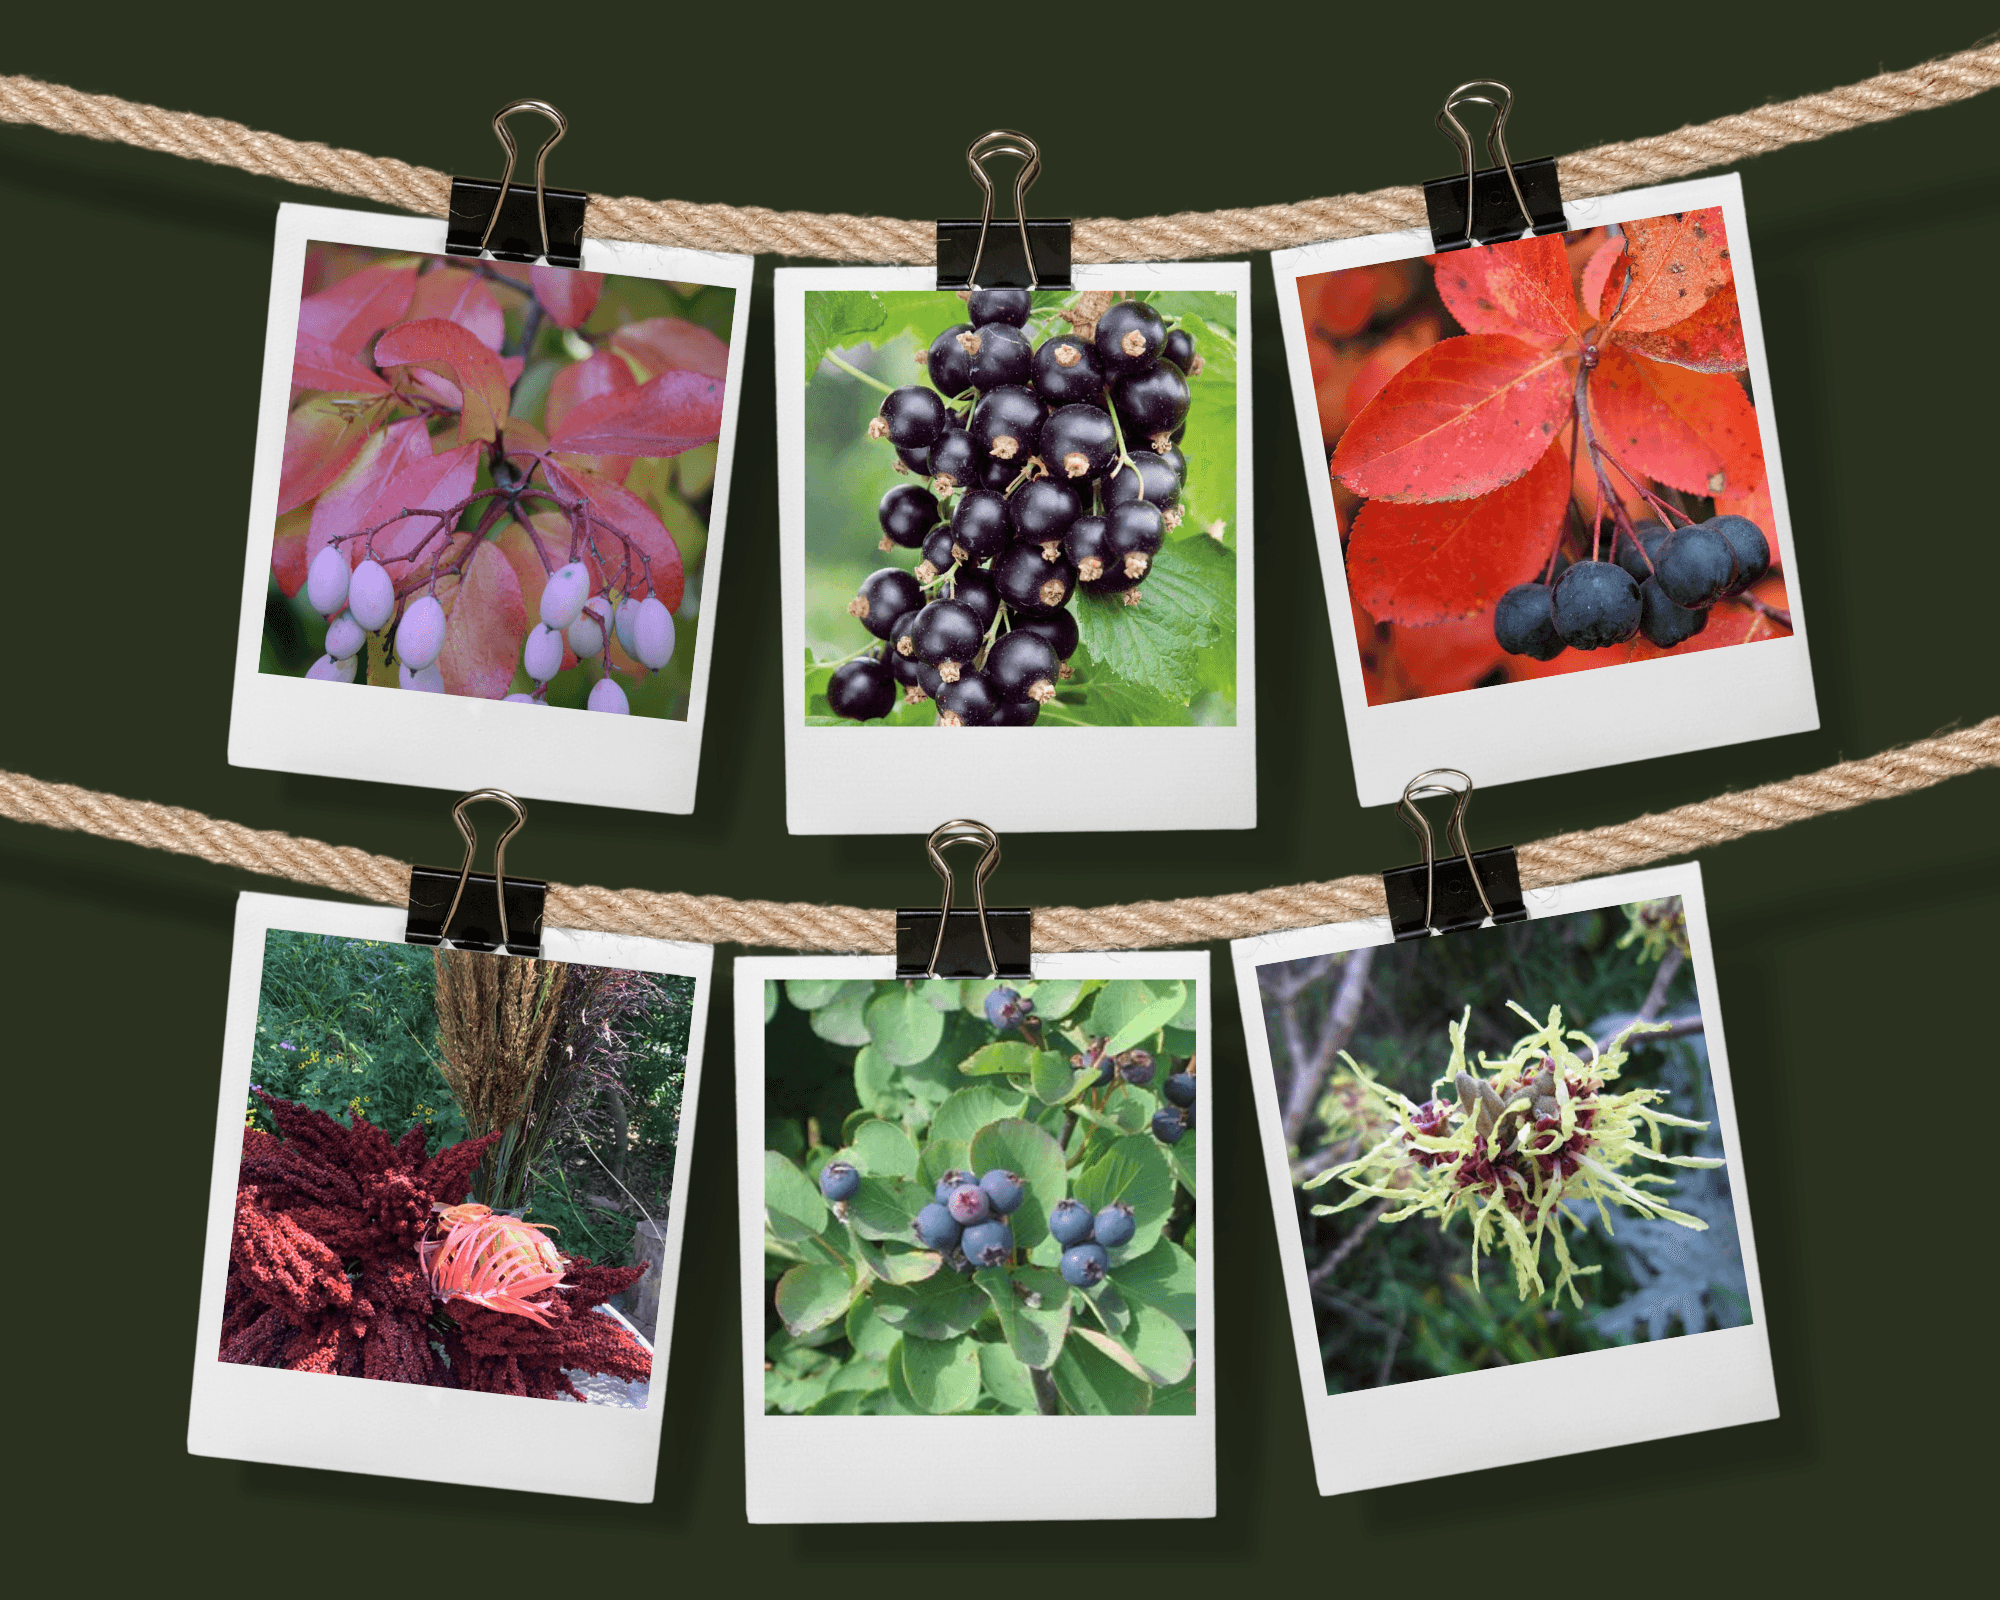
(1174, 459)
(1178, 348)
(1042, 510)
(971, 587)
(1015, 714)
(980, 528)
(1179, 1089)
(955, 460)
(1078, 442)
(1030, 583)
(945, 631)
(995, 474)
(1748, 545)
(968, 703)
(902, 653)
(1665, 623)
(1129, 337)
(1170, 1123)
(949, 362)
(1007, 424)
(884, 596)
(1058, 627)
(1136, 1067)
(907, 513)
(1149, 477)
(1524, 622)
(915, 416)
(1152, 402)
(1088, 548)
(929, 679)
(1000, 305)
(1694, 565)
(937, 550)
(862, 690)
(1023, 666)
(1626, 554)
(1001, 355)
(1596, 605)
(1134, 533)
(1067, 371)
(918, 461)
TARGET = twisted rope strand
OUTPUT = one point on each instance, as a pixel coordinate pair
(715, 919)
(839, 237)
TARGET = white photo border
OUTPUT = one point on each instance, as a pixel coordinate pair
(994, 771)
(1506, 733)
(884, 1469)
(404, 1430)
(457, 741)
(1373, 1437)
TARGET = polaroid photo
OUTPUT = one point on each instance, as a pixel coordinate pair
(1023, 518)
(496, 485)
(976, 1226)
(444, 1227)
(1507, 1182)
(1506, 449)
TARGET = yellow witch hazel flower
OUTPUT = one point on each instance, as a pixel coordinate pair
(1518, 1142)
(1657, 926)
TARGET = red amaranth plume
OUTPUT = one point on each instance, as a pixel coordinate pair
(505, 1354)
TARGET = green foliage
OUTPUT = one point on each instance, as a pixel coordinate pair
(907, 1081)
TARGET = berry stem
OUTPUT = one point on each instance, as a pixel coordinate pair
(1777, 614)
(1647, 495)
(852, 371)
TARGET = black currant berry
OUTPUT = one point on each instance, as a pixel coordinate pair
(1665, 623)
(995, 474)
(1089, 548)
(1007, 424)
(1627, 555)
(918, 461)
(1134, 533)
(1178, 348)
(1015, 714)
(937, 552)
(1029, 582)
(1078, 442)
(862, 690)
(1596, 605)
(1001, 355)
(980, 528)
(1154, 480)
(946, 635)
(1042, 510)
(1524, 622)
(903, 663)
(949, 362)
(1154, 401)
(1010, 306)
(1058, 627)
(1024, 666)
(884, 596)
(1694, 565)
(907, 513)
(1174, 459)
(971, 587)
(1129, 337)
(1067, 371)
(955, 459)
(914, 416)
(1748, 545)
(967, 702)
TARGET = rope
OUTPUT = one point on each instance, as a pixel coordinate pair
(839, 237)
(715, 919)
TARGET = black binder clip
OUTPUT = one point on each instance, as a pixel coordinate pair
(1502, 201)
(1034, 255)
(952, 942)
(1460, 892)
(511, 221)
(442, 912)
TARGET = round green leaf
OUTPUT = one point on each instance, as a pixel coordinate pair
(810, 1297)
(1006, 1379)
(811, 994)
(966, 1112)
(841, 1022)
(940, 1376)
(941, 1307)
(1134, 1170)
(884, 1208)
(1164, 1277)
(904, 1026)
(1032, 1304)
(792, 1205)
(1158, 1345)
(1093, 1385)
(1016, 1146)
(883, 1150)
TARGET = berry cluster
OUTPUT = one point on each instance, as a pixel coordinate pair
(1660, 583)
(1043, 469)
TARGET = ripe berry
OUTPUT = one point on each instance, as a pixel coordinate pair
(1067, 371)
(1107, 1069)
(980, 528)
(988, 1244)
(1154, 480)
(1179, 1088)
(1596, 604)
(839, 1181)
(1084, 1265)
(1179, 349)
(861, 690)
(1078, 442)
(1129, 337)
(949, 362)
(1170, 1122)
(542, 652)
(1023, 666)
(1058, 627)
(586, 636)
(1695, 565)
(606, 695)
(1010, 306)
(1007, 424)
(1005, 1009)
(1626, 554)
(937, 551)
(945, 631)
(935, 1228)
(902, 661)
(1153, 401)
(425, 680)
(1187, 1116)
(957, 1178)
(907, 512)
(968, 1203)
(1015, 714)
(1665, 623)
(1524, 622)
(1004, 1191)
(970, 702)
(344, 638)
(326, 580)
(564, 594)
(955, 459)
(1029, 582)
(1089, 548)
(884, 596)
(1042, 509)
(371, 597)
(1114, 1225)
(1136, 1067)
(1748, 545)
(622, 618)
(1070, 1222)
(653, 633)
(971, 587)
(328, 670)
(1133, 534)
(995, 474)
(1000, 355)
(914, 416)
(1175, 460)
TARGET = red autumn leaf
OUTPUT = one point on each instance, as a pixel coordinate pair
(1521, 287)
(669, 344)
(342, 506)
(1426, 563)
(567, 294)
(456, 295)
(321, 437)
(431, 483)
(1338, 304)
(674, 412)
(487, 619)
(289, 561)
(603, 373)
(1677, 263)
(358, 307)
(450, 350)
(1415, 663)
(319, 365)
(620, 509)
(1603, 277)
(1709, 341)
(1464, 417)
(1696, 431)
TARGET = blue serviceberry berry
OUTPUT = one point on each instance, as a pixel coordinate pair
(839, 1181)
(1004, 1190)
(1007, 1009)
(1114, 1225)
(988, 1244)
(1070, 1222)
(1084, 1265)
(1179, 1088)
(1170, 1122)
(936, 1228)
(968, 1203)
(954, 1179)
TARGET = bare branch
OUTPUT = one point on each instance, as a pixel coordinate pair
(1345, 1248)
(1309, 1073)
(1656, 997)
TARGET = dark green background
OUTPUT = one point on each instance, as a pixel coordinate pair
(1855, 953)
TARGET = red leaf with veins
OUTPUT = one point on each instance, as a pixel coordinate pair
(1602, 279)
(567, 294)
(319, 365)
(1709, 341)
(343, 505)
(434, 483)
(321, 436)
(1426, 563)
(289, 561)
(669, 344)
(1696, 431)
(1677, 263)
(1463, 418)
(357, 308)
(453, 352)
(1415, 663)
(487, 618)
(674, 412)
(602, 373)
(621, 509)
(459, 296)
(1521, 288)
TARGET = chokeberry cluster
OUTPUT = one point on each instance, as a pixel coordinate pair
(1660, 582)
(1139, 1068)
(1037, 466)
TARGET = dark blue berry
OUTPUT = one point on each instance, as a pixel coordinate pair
(1694, 566)
(1152, 480)
(1058, 627)
(1029, 582)
(1628, 555)
(971, 587)
(1596, 605)
(1114, 1225)
(1170, 1122)
(861, 690)
(1133, 534)
(1179, 1088)
(914, 416)
(968, 1203)
(970, 702)
(839, 1181)
(1000, 305)
(1748, 545)
(1015, 714)
(1089, 548)
(949, 362)
(1084, 1265)
(1023, 666)
(902, 653)
(1665, 623)
(1078, 441)
(1004, 1191)
(884, 596)
(957, 1178)
(1179, 349)
(1042, 510)
(1136, 1067)
(1524, 622)
(1005, 1008)
(980, 528)
(1069, 1222)
(945, 630)
(1153, 402)
(1007, 425)
(936, 1229)
(955, 460)
(988, 1244)
(1129, 337)
(1001, 356)
(937, 549)
(907, 512)
(1067, 372)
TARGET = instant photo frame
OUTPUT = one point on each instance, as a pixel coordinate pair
(1370, 1437)
(459, 742)
(407, 1430)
